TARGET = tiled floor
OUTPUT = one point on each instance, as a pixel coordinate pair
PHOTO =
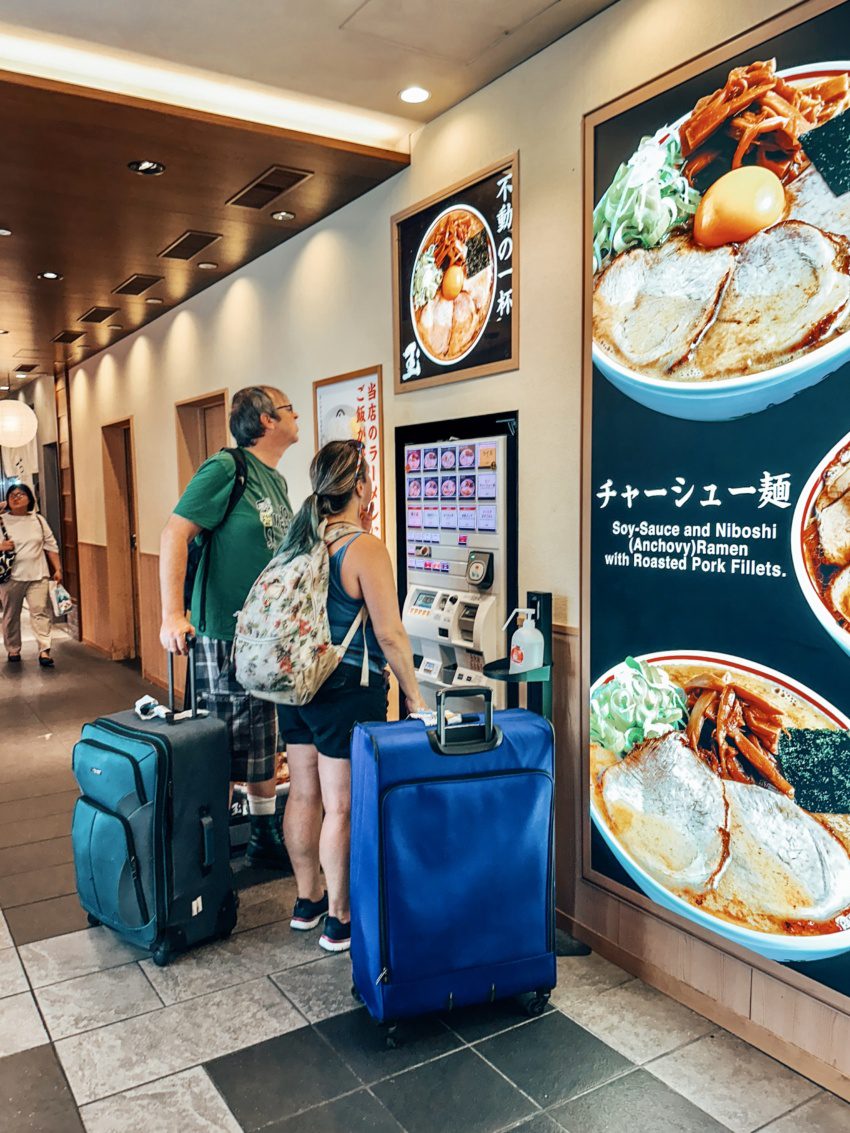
(260, 1032)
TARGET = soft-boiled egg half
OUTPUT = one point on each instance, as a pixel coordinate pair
(738, 205)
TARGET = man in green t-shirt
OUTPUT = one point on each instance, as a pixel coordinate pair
(241, 542)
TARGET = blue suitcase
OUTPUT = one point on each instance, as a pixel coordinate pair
(452, 861)
(150, 831)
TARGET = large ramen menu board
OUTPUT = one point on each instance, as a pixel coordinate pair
(718, 500)
(455, 275)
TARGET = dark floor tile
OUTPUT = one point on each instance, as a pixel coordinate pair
(59, 803)
(51, 757)
(637, 1101)
(485, 1019)
(362, 1043)
(553, 1058)
(280, 1077)
(356, 1113)
(29, 830)
(37, 884)
(44, 919)
(541, 1123)
(456, 1094)
(38, 785)
(20, 859)
(34, 1094)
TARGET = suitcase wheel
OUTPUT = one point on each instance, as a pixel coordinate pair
(536, 1005)
(393, 1037)
(355, 994)
(93, 921)
(161, 955)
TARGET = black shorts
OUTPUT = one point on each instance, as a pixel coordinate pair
(329, 719)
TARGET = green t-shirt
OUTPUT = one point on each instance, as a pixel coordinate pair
(243, 545)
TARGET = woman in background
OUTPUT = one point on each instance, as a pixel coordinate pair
(31, 539)
(316, 822)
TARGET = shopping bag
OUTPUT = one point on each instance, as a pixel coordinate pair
(60, 599)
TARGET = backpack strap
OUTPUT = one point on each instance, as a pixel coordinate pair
(333, 532)
(361, 619)
(240, 481)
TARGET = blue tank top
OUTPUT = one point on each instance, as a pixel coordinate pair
(342, 610)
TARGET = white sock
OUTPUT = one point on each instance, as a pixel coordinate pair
(259, 805)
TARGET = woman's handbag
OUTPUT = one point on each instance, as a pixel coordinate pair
(7, 558)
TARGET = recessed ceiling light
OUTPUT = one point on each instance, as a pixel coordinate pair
(146, 168)
(207, 265)
(5, 231)
(114, 326)
(283, 215)
(4, 332)
(414, 94)
(153, 300)
(49, 275)
(20, 374)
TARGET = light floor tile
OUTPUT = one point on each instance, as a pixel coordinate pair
(20, 1024)
(825, 1113)
(12, 978)
(638, 1021)
(319, 990)
(264, 904)
(152, 1046)
(731, 1080)
(75, 954)
(187, 1101)
(95, 1000)
(585, 977)
(5, 936)
(243, 956)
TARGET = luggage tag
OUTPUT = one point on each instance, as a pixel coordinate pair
(148, 708)
(429, 719)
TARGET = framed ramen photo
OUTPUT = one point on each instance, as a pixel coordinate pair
(456, 281)
(349, 407)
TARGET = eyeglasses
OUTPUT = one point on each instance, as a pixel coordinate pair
(287, 406)
(360, 448)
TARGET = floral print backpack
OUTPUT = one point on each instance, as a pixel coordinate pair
(282, 647)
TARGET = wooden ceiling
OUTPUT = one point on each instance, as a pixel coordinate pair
(74, 207)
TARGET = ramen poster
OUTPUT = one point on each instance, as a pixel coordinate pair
(717, 494)
(456, 281)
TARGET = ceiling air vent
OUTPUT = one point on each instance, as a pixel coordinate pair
(268, 187)
(97, 315)
(136, 284)
(27, 369)
(67, 336)
(189, 244)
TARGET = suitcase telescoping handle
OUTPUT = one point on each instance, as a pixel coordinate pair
(465, 739)
(192, 674)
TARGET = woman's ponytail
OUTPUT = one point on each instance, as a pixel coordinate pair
(303, 534)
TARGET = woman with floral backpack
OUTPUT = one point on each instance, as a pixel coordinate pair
(318, 734)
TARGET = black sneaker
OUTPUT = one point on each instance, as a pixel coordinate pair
(266, 849)
(307, 914)
(337, 936)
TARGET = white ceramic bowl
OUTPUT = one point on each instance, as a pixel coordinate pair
(802, 513)
(728, 398)
(773, 946)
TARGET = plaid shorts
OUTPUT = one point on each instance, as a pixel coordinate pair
(252, 723)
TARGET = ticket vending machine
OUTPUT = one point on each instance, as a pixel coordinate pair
(456, 494)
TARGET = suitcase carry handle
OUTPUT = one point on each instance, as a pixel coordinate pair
(464, 739)
(192, 672)
(209, 842)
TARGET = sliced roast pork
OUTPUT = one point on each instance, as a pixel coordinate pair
(650, 306)
(839, 592)
(435, 324)
(812, 200)
(783, 864)
(669, 812)
(836, 480)
(834, 530)
(789, 290)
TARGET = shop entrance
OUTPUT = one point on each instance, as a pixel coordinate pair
(122, 558)
(201, 431)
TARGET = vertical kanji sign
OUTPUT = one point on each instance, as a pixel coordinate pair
(350, 407)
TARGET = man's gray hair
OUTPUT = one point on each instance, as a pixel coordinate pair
(246, 411)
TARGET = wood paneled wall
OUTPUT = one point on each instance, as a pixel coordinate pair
(94, 591)
(154, 660)
(792, 1024)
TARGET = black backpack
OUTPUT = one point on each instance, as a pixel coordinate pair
(200, 549)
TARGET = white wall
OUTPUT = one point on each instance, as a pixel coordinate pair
(322, 305)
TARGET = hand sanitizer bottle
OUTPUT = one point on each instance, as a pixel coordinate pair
(526, 643)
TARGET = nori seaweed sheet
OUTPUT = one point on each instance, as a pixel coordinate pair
(828, 149)
(816, 762)
(477, 254)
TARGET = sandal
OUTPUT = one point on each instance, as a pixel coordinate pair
(13, 658)
(45, 660)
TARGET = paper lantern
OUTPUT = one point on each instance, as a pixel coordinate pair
(18, 424)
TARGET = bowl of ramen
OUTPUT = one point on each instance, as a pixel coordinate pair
(432, 487)
(467, 487)
(430, 460)
(414, 488)
(449, 487)
(721, 255)
(820, 542)
(712, 781)
(448, 460)
(467, 456)
(452, 285)
(414, 460)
